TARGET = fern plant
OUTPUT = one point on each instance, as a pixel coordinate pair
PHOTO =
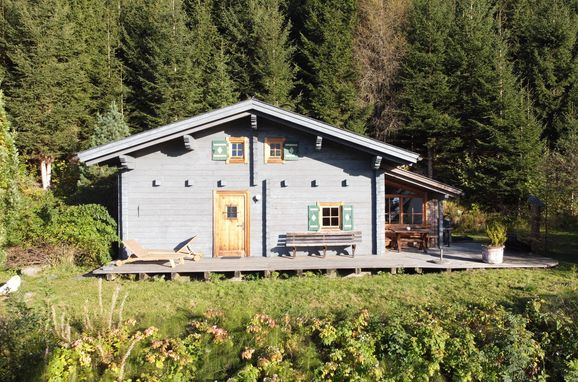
(497, 233)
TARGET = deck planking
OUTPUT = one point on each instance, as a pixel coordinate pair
(463, 256)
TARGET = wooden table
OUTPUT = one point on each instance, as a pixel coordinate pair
(401, 235)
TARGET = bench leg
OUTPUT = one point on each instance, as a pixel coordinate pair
(294, 252)
(172, 262)
(353, 250)
(324, 251)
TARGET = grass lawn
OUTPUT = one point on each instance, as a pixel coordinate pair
(169, 305)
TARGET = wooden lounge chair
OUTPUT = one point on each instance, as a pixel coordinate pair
(138, 253)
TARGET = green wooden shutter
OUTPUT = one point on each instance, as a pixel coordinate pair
(220, 150)
(347, 218)
(313, 221)
(291, 151)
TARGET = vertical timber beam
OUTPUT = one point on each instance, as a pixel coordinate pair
(380, 211)
(254, 153)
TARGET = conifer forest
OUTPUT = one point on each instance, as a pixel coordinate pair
(486, 91)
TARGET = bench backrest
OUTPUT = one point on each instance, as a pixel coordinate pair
(325, 237)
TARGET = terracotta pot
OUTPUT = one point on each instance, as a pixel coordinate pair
(492, 255)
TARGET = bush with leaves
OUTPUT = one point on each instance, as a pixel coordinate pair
(87, 230)
(24, 339)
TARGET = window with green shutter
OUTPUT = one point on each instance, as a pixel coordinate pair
(220, 150)
(313, 218)
(290, 151)
(347, 218)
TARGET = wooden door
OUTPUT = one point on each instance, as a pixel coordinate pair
(231, 223)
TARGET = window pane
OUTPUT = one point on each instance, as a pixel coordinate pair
(335, 222)
(231, 212)
(334, 211)
(392, 190)
(392, 210)
(326, 222)
(325, 211)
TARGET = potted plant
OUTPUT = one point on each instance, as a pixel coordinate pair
(494, 252)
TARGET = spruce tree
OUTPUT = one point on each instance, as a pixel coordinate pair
(545, 36)
(48, 89)
(109, 127)
(500, 138)
(272, 64)
(327, 66)
(159, 54)
(217, 87)
(429, 124)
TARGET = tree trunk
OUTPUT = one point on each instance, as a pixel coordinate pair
(46, 171)
(429, 161)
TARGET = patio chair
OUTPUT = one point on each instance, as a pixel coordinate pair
(138, 253)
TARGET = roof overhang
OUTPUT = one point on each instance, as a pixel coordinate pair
(237, 111)
(423, 182)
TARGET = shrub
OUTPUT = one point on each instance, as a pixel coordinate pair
(45, 222)
(24, 338)
(497, 233)
(87, 227)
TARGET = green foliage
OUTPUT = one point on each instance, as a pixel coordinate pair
(8, 176)
(109, 127)
(497, 233)
(47, 87)
(25, 336)
(328, 65)
(43, 219)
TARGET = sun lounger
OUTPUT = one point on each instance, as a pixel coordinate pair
(138, 253)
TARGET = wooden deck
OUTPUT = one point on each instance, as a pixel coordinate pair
(459, 257)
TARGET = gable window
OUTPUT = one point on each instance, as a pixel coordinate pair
(404, 205)
(237, 150)
(274, 150)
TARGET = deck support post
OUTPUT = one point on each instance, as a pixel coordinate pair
(142, 276)
(267, 273)
(299, 272)
(206, 276)
(419, 271)
(357, 271)
(110, 276)
(393, 271)
(331, 272)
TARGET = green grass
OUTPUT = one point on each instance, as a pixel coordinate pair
(170, 305)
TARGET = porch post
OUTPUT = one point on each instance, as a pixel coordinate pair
(380, 211)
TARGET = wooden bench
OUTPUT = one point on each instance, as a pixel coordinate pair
(323, 239)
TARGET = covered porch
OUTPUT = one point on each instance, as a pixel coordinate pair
(460, 256)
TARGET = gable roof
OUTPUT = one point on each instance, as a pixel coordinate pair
(240, 110)
(422, 182)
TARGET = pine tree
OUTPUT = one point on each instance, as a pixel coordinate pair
(429, 124)
(545, 34)
(48, 90)
(326, 58)
(8, 175)
(109, 127)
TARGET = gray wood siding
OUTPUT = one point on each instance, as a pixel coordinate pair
(164, 216)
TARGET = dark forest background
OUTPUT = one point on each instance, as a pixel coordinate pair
(485, 90)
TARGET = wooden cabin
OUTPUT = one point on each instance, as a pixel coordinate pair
(243, 177)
